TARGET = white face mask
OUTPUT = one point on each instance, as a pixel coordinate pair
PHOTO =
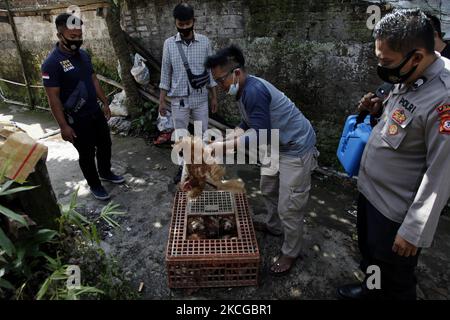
(234, 88)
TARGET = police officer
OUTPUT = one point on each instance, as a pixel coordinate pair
(371, 100)
(405, 172)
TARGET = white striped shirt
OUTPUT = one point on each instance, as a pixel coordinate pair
(174, 78)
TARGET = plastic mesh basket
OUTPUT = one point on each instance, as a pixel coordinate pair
(212, 262)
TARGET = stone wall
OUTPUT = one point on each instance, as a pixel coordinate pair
(319, 52)
(38, 36)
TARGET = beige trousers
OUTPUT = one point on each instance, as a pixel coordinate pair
(285, 195)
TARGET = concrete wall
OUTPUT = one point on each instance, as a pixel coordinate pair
(440, 8)
(38, 36)
(319, 52)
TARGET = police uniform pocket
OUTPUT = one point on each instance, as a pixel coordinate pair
(395, 129)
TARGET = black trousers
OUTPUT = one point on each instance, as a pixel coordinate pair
(376, 236)
(93, 142)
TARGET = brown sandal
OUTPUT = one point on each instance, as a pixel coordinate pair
(277, 264)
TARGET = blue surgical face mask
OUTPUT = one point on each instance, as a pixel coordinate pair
(234, 88)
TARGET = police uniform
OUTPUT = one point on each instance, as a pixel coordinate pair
(404, 177)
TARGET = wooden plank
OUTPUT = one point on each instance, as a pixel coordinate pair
(20, 84)
(19, 49)
(109, 81)
(13, 82)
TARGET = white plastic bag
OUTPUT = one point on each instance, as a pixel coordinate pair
(117, 106)
(140, 71)
(164, 123)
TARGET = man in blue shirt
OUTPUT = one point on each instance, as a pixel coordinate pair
(262, 106)
(72, 89)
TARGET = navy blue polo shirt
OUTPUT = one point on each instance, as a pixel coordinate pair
(70, 72)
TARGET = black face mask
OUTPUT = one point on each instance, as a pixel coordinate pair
(72, 45)
(393, 75)
(186, 32)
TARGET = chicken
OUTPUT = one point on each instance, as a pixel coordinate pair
(196, 225)
(211, 227)
(227, 225)
(212, 224)
(198, 173)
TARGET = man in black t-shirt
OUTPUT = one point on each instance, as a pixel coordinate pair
(72, 89)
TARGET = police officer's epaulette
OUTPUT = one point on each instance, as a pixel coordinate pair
(445, 77)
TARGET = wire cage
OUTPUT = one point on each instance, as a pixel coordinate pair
(218, 262)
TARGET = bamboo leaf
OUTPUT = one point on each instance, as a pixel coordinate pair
(6, 244)
(12, 215)
(74, 199)
(83, 290)
(6, 284)
(43, 290)
(6, 186)
(44, 235)
(17, 190)
(95, 234)
(78, 217)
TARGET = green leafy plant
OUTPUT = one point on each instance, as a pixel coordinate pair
(52, 288)
(29, 270)
(146, 122)
(71, 217)
(18, 257)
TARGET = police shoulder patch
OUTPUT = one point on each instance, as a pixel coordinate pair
(443, 109)
(445, 125)
(444, 118)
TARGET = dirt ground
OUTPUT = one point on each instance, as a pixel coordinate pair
(330, 255)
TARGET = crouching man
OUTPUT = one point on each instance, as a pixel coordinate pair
(262, 106)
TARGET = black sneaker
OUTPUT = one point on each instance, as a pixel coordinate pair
(177, 178)
(113, 178)
(100, 193)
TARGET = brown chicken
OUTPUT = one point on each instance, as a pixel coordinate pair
(196, 176)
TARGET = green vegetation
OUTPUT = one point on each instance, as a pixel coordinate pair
(34, 261)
